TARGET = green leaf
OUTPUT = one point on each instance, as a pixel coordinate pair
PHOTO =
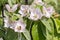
(47, 24)
(0, 12)
(30, 1)
(14, 17)
(27, 35)
(2, 2)
(1, 22)
(1, 33)
(10, 3)
(11, 35)
(48, 1)
(37, 33)
(57, 21)
(22, 1)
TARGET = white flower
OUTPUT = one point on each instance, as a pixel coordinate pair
(38, 2)
(20, 26)
(47, 12)
(24, 10)
(1, 38)
(35, 14)
(13, 9)
(50, 9)
(12, 24)
(6, 22)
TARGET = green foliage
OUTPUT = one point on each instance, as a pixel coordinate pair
(57, 25)
(37, 33)
(27, 34)
(10, 35)
(58, 7)
(44, 29)
(51, 1)
(2, 2)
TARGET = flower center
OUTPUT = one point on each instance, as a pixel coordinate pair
(35, 16)
(19, 27)
(25, 11)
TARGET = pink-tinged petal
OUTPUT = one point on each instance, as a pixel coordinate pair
(6, 22)
(20, 11)
(14, 8)
(38, 2)
(12, 25)
(24, 10)
(50, 9)
(47, 12)
(20, 26)
(8, 7)
(24, 7)
(35, 14)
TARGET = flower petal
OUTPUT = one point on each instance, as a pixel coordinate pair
(8, 7)
(39, 2)
(48, 11)
(24, 7)
(14, 8)
(20, 26)
(35, 14)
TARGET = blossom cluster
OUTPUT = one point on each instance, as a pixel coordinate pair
(32, 12)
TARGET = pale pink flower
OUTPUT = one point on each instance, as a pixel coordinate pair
(48, 11)
(9, 23)
(6, 22)
(24, 10)
(20, 26)
(11, 9)
(35, 14)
